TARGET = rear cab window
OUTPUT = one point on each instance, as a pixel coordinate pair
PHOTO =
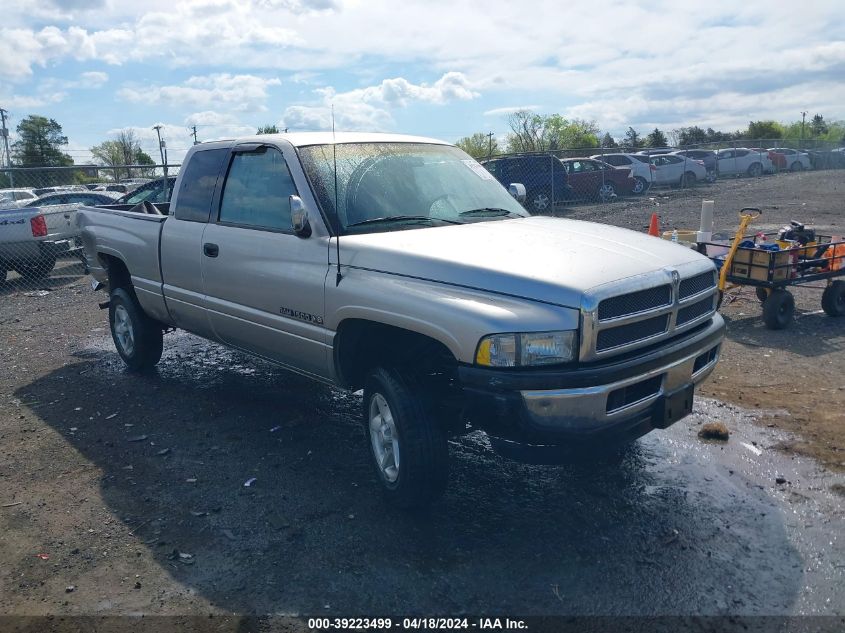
(196, 190)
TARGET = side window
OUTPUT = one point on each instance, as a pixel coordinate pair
(256, 191)
(197, 185)
(741, 152)
(493, 167)
(727, 154)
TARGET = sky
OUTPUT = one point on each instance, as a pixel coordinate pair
(440, 68)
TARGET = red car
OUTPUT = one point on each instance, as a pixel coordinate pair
(595, 179)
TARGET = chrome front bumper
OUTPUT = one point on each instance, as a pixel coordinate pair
(593, 408)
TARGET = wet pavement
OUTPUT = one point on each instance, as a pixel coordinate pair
(681, 526)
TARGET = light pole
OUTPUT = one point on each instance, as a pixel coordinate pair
(157, 128)
(803, 117)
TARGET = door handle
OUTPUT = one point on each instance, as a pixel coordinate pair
(210, 250)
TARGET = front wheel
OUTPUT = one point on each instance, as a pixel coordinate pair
(408, 447)
(755, 170)
(138, 339)
(796, 166)
(778, 309)
(541, 201)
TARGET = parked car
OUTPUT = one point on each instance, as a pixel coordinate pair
(155, 191)
(708, 157)
(795, 160)
(657, 151)
(543, 175)
(778, 161)
(411, 273)
(117, 187)
(742, 161)
(641, 168)
(15, 198)
(677, 170)
(597, 180)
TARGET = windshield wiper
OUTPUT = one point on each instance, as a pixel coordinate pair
(487, 212)
(401, 218)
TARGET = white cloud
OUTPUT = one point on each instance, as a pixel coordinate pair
(509, 110)
(242, 93)
(369, 108)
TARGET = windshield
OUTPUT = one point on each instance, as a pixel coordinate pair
(391, 186)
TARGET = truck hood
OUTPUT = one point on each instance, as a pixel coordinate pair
(553, 260)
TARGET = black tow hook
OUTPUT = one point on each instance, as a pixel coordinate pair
(104, 305)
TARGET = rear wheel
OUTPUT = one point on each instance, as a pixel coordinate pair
(688, 179)
(833, 299)
(640, 186)
(606, 192)
(138, 339)
(778, 309)
(796, 166)
(408, 446)
(755, 170)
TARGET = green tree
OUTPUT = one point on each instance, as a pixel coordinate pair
(531, 132)
(608, 141)
(656, 139)
(764, 130)
(479, 145)
(39, 143)
(632, 139)
(268, 129)
(691, 136)
(118, 154)
(818, 126)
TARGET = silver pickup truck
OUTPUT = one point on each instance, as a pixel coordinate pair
(399, 265)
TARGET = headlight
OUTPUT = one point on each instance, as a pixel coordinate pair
(524, 350)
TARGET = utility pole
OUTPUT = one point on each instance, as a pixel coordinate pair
(489, 145)
(803, 116)
(5, 134)
(157, 128)
(194, 128)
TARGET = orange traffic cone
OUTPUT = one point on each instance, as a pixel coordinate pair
(654, 226)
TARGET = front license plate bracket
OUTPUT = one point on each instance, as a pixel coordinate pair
(673, 406)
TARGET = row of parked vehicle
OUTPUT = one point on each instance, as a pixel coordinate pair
(35, 230)
(550, 180)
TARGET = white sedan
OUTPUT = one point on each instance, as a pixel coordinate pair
(677, 170)
(795, 160)
(740, 161)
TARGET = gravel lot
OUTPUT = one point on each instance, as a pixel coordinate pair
(133, 487)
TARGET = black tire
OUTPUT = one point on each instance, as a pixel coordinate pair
(797, 166)
(36, 270)
(145, 333)
(762, 293)
(640, 186)
(755, 170)
(422, 471)
(778, 310)
(833, 299)
(606, 192)
(540, 201)
(688, 179)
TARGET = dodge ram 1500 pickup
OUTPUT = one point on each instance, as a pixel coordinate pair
(400, 266)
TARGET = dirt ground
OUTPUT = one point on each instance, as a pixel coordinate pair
(799, 371)
(125, 495)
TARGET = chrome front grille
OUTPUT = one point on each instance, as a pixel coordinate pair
(615, 319)
(635, 302)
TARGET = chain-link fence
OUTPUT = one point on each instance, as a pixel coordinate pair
(566, 177)
(40, 245)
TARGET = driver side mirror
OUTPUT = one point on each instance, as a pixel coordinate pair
(299, 217)
(517, 190)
